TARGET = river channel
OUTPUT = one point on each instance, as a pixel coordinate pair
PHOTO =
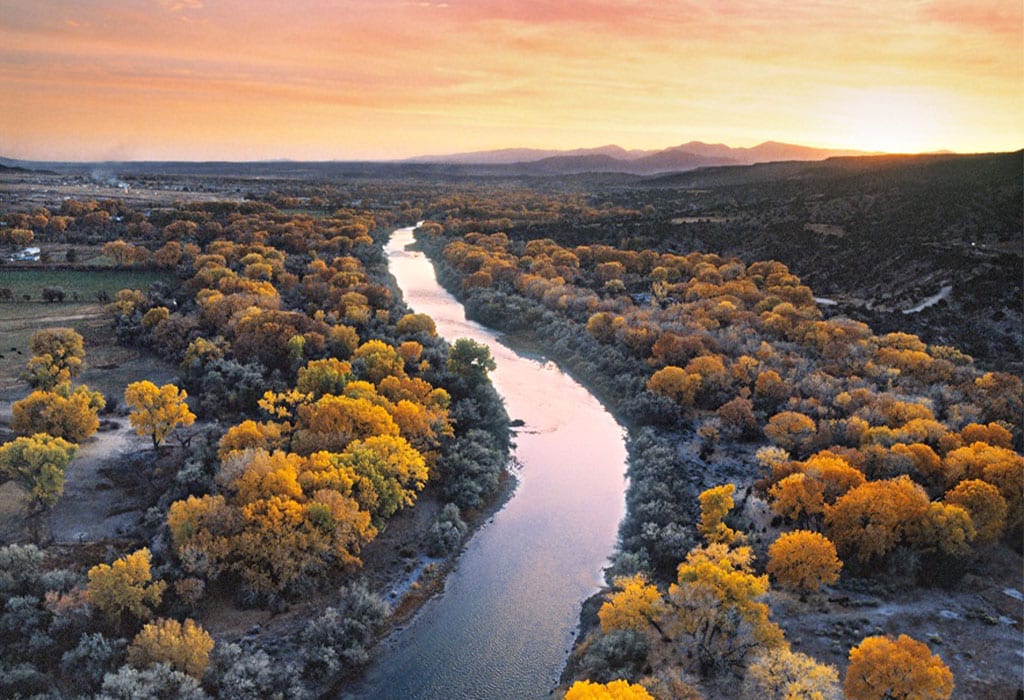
(507, 617)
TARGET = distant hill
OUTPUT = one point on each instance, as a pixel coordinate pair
(688, 156)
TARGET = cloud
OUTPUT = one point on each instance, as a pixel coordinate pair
(181, 5)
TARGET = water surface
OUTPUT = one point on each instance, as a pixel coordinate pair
(506, 620)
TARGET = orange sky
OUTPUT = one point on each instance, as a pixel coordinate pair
(322, 79)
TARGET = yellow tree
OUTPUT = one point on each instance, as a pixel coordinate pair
(186, 647)
(615, 690)
(334, 421)
(379, 360)
(58, 355)
(944, 528)
(715, 504)
(327, 376)
(37, 464)
(63, 412)
(157, 410)
(674, 383)
(125, 587)
(413, 324)
(833, 473)
(1000, 467)
(391, 467)
(883, 668)
(634, 606)
(984, 503)
(715, 615)
(250, 435)
(790, 430)
(798, 497)
(870, 520)
(783, 674)
(803, 561)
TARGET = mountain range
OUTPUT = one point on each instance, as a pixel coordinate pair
(687, 156)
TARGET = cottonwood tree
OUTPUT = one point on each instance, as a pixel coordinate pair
(37, 464)
(783, 674)
(125, 588)
(871, 520)
(471, 361)
(58, 355)
(715, 504)
(712, 616)
(803, 561)
(615, 690)
(883, 668)
(157, 410)
(984, 503)
(185, 646)
(72, 414)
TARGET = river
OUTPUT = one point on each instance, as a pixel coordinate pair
(507, 617)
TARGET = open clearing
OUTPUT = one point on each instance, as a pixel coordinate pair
(87, 284)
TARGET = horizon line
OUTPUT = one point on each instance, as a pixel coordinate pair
(406, 159)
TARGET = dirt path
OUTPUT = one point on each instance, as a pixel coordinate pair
(92, 508)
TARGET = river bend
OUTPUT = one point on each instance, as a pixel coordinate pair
(504, 624)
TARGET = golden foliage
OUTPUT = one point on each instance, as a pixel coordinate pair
(984, 504)
(882, 668)
(715, 504)
(674, 383)
(63, 412)
(945, 528)
(37, 464)
(615, 690)
(797, 497)
(871, 519)
(803, 561)
(250, 435)
(125, 587)
(186, 647)
(58, 355)
(782, 674)
(716, 611)
(632, 607)
(156, 411)
(320, 377)
(790, 430)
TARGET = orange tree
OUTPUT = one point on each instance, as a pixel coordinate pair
(803, 561)
(883, 668)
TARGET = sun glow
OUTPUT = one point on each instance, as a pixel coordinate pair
(892, 120)
(251, 79)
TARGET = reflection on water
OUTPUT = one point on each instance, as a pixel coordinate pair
(507, 617)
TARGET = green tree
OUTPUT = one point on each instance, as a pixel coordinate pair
(470, 360)
(37, 463)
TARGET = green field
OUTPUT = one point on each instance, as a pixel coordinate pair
(86, 283)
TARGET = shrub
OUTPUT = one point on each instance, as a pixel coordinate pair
(447, 532)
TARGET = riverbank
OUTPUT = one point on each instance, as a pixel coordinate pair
(967, 620)
(507, 616)
(409, 583)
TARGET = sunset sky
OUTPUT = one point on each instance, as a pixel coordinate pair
(320, 79)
